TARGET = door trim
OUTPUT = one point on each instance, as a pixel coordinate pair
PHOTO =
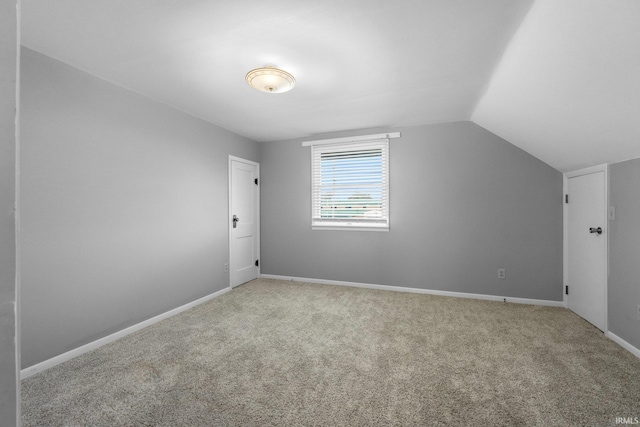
(230, 214)
(565, 244)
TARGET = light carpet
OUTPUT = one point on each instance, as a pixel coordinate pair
(279, 353)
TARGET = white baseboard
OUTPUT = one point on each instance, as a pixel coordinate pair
(421, 291)
(39, 367)
(629, 347)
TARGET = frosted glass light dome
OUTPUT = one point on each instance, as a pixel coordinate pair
(270, 80)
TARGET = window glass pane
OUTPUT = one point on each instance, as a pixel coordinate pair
(351, 184)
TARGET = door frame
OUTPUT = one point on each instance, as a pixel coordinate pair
(230, 213)
(604, 168)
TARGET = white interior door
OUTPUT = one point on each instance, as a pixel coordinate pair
(587, 246)
(243, 221)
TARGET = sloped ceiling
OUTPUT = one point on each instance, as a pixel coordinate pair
(559, 78)
(358, 63)
(567, 90)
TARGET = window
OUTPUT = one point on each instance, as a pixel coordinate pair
(350, 183)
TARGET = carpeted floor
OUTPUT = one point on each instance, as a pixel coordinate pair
(277, 353)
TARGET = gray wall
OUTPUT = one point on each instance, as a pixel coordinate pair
(9, 387)
(624, 251)
(124, 207)
(464, 202)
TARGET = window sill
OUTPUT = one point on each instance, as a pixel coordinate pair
(350, 227)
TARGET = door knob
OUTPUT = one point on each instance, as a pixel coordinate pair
(595, 230)
(235, 221)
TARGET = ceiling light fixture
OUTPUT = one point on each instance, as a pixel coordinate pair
(270, 79)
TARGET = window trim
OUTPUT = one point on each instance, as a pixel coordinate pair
(346, 225)
(361, 138)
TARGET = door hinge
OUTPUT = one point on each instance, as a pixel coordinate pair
(257, 263)
(566, 290)
(566, 198)
(256, 181)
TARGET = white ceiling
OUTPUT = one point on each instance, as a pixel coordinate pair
(567, 89)
(358, 63)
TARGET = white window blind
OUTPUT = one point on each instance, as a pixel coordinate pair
(350, 185)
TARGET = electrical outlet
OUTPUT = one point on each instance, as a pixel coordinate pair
(638, 311)
(226, 267)
(502, 273)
